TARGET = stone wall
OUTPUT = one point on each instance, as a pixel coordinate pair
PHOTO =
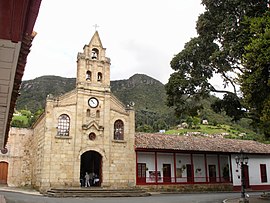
(188, 187)
(122, 154)
(37, 151)
(18, 157)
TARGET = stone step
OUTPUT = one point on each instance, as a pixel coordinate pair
(96, 192)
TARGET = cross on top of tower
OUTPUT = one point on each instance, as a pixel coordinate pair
(95, 26)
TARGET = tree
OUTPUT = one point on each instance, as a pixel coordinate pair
(20, 120)
(223, 34)
(160, 124)
(255, 80)
(24, 118)
(144, 128)
(231, 105)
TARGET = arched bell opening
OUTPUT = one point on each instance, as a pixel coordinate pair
(99, 77)
(88, 75)
(95, 54)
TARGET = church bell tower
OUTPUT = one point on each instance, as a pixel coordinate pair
(93, 67)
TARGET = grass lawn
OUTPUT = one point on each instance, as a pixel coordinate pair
(210, 129)
(233, 132)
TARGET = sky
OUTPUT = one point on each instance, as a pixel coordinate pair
(140, 36)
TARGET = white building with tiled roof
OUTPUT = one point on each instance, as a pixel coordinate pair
(200, 161)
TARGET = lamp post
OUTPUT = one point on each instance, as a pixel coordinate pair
(242, 160)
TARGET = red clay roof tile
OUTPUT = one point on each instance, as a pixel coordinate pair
(198, 143)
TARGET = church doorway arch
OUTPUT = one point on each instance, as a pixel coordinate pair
(91, 163)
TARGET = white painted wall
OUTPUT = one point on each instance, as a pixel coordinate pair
(199, 168)
(149, 159)
(165, 158)
(254, 170)
(182, 160)
(224, 162)
(212, 159)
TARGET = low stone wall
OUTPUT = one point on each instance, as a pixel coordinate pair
(188, 187)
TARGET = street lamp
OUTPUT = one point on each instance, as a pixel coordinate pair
(242, 160)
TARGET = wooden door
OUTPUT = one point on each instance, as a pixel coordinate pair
(263, 173)
(246, 176)
(212, 173)
(166, 173)
(189, 173)
(141, 172)
(3, 172)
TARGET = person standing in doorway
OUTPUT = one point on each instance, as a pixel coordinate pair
(87, 180)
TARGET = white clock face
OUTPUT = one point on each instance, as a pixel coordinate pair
(93, 102)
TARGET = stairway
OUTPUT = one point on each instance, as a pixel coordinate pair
(96, 192)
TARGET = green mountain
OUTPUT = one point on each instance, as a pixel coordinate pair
(33, 93)
(147, 93)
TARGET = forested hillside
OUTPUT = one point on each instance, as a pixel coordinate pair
(33, 93)
(148, 94)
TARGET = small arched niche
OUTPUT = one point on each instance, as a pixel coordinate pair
(88, 113)
(88, 75)
(98, 114)
(99, 77)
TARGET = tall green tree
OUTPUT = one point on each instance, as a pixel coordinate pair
(223, 34)
(255, 80)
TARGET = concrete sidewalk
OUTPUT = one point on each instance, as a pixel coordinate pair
(20, 190)
(2, 199)
(255, 199)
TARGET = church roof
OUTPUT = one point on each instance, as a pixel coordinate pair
(198, 144)
(95, 40)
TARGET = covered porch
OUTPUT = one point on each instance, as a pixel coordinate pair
(170, 167)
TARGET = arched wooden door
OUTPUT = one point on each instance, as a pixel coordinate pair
(3, 172)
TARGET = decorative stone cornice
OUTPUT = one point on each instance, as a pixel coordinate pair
(92, 124)
(80, 56)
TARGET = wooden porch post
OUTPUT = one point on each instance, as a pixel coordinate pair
(219, 175)
(205, 165)
(156, 167)
(136, 167)
(192, 168)
(174, 165)
(230, 160)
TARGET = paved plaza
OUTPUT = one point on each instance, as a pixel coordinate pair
(19, 195)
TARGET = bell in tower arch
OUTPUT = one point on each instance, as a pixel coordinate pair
(94, 54)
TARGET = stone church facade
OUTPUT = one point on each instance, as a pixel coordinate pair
(85, 130)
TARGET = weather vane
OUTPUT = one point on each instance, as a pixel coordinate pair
(95, 26)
